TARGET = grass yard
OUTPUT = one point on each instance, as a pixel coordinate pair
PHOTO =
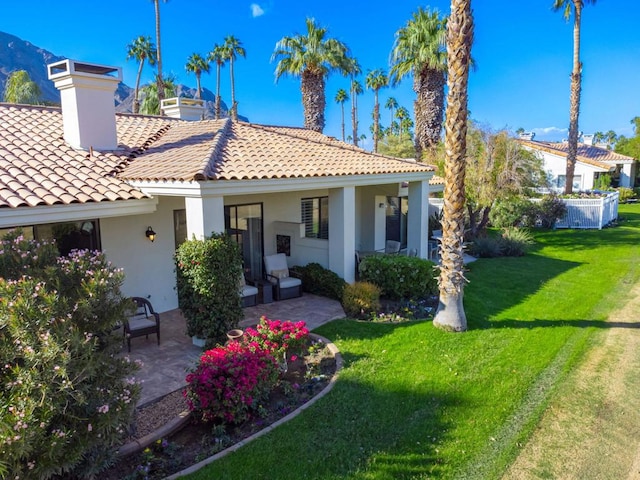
(416, 402)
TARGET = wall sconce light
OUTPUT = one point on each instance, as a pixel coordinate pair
(381, 205)
(150, 234)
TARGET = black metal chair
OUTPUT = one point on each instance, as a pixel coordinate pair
(144, 321)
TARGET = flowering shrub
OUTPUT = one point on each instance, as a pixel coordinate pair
(277, 337)
(230, 381)
(66, 399)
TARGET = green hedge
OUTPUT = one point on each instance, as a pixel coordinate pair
(399, 276)
(320, 281)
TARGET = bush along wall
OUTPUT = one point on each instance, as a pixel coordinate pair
(399, 276)
(208, 273)
(320, 281)
(67, 399)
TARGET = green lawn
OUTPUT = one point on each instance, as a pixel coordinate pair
(416, 402)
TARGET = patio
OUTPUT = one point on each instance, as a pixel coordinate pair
(165, 366)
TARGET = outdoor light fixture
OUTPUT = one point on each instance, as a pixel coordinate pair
(381, 205)
(151, 235)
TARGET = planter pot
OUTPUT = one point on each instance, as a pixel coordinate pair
(235, 334)
(199, 342)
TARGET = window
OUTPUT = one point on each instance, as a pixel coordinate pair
(315, 216)
(68, 235)
(396, 219)
(179, 227)
(577, 181)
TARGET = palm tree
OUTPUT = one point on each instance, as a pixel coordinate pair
(217, 56)
(159, 77)
(402, 114)
(391, 104)
(141, 49)
(598, 137)
(356, 89)
(197, 64)
(450, 313)
(312, 57)
(375, 80)
(576, 83)
(21, 89)
(419, 50)
(341, 97)
(610, 137)
(232, 49)
(151, 99)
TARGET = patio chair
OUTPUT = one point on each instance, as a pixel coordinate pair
(277, 272)
(248, 293)
(144, 321)
(392, 246)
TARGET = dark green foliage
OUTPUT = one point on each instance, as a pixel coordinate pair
(361, 299)
(551, 209)
(208, 274)
(67, 398)
(399, 276)
(514, 242)
(320, 281)
(485, 247)
(513, 212)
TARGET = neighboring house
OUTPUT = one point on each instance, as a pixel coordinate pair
(592, 161)
(95, 179)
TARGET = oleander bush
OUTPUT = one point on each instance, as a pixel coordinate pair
(361, 300)
(400, 276)
(208, 274)
(513, 212)
(67, 399)
(320, 281)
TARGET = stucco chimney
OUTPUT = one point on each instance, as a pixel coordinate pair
(587, 138)
(183, 108)
(88, 105)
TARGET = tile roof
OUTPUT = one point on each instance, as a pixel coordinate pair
(589, 154)
(38, 168)
(226, 150)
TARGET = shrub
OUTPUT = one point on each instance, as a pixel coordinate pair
(230, 382)
(513, 212)
(551, 209)
(603, 182)
(625, 194)
(486, 247)
(399, 276)
(515, 242)
(277, 337)
(320, 281)
(361, 299)
(67, 400)
(208, 272)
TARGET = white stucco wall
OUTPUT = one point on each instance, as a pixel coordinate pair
(555, 166)
(148, 266)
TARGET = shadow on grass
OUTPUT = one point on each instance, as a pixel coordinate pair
(389, 431)
(539, 323)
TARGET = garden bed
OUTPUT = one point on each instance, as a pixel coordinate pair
(305, 378)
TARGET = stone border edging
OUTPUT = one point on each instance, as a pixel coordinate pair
(338, 358)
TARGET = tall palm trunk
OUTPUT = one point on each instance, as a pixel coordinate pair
(450, 314)
(217, 108)
(428, 109)
(342, 109)
(354, 116)
(136, 99)
(376, 121)
(576, 86)
(234, 104)
(159, 78)
(313, 100)
(198, 91)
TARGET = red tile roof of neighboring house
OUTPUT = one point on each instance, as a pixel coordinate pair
(589, 154)
(38, 168)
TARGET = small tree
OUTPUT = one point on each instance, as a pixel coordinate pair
(208, 275)
(67, 400)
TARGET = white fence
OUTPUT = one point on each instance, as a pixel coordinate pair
(590, 212)
(581, 212)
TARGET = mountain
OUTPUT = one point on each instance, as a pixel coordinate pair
(18, 54)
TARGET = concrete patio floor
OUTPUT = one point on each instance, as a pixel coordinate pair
(166, 365)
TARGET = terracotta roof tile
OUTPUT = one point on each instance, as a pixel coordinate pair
(589, 154)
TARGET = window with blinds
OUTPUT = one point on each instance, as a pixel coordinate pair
(315, 216)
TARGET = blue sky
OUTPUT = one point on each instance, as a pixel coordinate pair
(523, 53)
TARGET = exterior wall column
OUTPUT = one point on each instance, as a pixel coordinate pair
(625, 175)
(342, 232)
(418, 218)
(205, 215)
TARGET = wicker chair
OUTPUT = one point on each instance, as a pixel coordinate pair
(144, 321)
(277, 272)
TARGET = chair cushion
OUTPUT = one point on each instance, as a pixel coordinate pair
(248, 291)
(288, 282)
(281, 273)
(275, 262)
(140, 321)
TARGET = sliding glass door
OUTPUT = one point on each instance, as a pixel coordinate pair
(244, 224)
